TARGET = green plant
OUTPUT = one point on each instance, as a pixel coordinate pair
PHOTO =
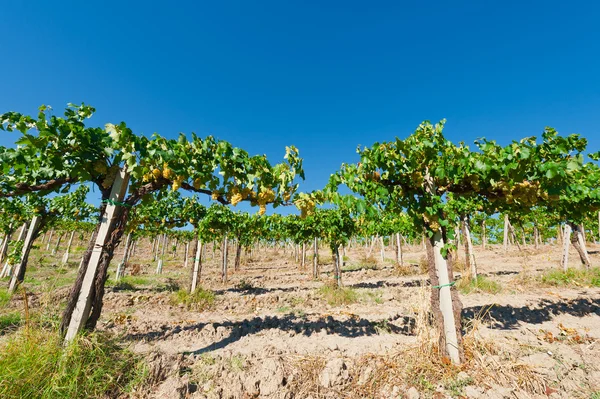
(572, 277)
(373, 296)
(4, 297)
(382, 327)
(200, 299)
(338, 296)
(480, 284)
(362, 265)
(9, 321)
(244, 285)
(456, 387)
(236, 363)
(34, 364)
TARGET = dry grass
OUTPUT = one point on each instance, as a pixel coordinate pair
(422, 366)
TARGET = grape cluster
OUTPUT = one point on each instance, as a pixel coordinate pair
(306, 204)
(265, 196)
(111, 175)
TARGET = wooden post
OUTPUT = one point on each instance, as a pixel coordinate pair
(55, 249)
(469, 255)
(159, 267)
(382, 249)
(316, 258)
(121, 267)
(506, 227)
(4, 249)
(445, 299)
(19, 272)
(337, 267)
(186, 255)
(224, 263)
(49, 240)
(566, 242)
(580, 245)
(65, 257)
(399, 254)
(84, 300)
(303, 264)
(7, 269)
(197, 266)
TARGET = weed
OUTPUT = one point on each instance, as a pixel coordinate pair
(382, 327)
(34, 363)
(373, 296)
(480, 284)
(404, 270)
(423, 265)
(236, 363)
(199, 300)
(359, 266)
(244, 285)
(572, 277)
(338, 296)
(4, 297)
(9, 321)
(456, 387)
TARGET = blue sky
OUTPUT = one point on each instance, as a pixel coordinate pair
(324, 76)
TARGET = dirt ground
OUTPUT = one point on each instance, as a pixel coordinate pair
(271, 332)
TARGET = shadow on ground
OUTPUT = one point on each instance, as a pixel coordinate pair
(349, 328)
(508, 317)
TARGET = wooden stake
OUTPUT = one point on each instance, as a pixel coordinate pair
(19, 272)
(84, 300)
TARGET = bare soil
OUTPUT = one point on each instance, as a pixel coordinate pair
(272, 334)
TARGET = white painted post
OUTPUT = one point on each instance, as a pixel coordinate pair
(7, 269)
(582, 243)
(316, 258)
(224, 270)
(185, 256)
(84, 301)
(57, 243)
(197, 260)
(121, 267)
(49, 240)
(162, 255)
(65, 257)
(441, 269)
(14, 281)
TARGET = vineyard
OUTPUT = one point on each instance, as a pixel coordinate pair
(428, 269)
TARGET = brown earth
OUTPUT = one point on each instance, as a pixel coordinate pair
(271, 332)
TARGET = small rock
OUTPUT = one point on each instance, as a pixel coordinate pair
(462, 376)
(334, 373)
(271, 377)
(365, 376)
(473, 392)
(412, 393)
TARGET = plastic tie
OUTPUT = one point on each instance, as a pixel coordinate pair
(444, 285)
(116, 203)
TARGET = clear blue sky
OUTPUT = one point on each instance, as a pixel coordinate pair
(322, 75)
